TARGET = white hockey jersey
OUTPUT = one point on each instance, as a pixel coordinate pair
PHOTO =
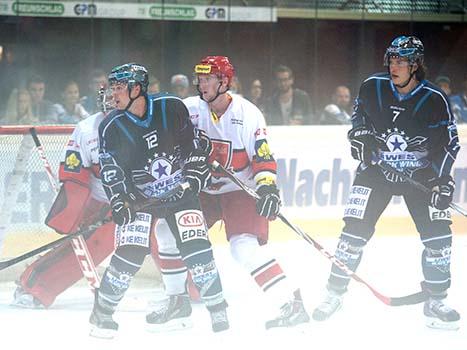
(82, 151)
(238, 139)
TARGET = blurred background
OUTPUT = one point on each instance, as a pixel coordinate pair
(59, 48)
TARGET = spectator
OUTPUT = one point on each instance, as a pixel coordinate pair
(256, 94)
(444, 84)
(71, 112)
(459, 104)
(338, 112)
(18, 108)
(236, 86)
(97, 79)
(288, 106)
(154, 86)
(43, 110)
(9, 72)
(180, 86)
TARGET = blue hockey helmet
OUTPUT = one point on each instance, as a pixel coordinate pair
(409, 47)
(131, 74)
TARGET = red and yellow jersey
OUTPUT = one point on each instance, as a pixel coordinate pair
(81, 160)
(239, 142)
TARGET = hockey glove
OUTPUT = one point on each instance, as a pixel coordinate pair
(123, 211)
(442, 192)
(196, 171)
(269, 202)
(362, 144)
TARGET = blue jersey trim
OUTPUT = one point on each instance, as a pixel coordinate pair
(421, 102)
(125, 130)
(164, 114)
(378, 92)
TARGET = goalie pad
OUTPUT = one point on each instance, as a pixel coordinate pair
(68, 210)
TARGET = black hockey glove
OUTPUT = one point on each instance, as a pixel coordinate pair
(442, 191)
(196, 171)
(362, 144)
(123, 211)
(269, 202)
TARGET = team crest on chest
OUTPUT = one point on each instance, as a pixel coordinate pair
(404, 153)
(160, 166)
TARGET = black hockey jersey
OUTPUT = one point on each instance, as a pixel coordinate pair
(416, 132)
(145, 155)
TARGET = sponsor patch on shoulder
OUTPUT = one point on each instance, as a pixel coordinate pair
(73, 162)
(263, 153)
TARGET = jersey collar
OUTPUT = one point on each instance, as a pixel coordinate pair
(148, 117)
(402, 97)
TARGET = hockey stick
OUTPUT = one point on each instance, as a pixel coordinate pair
(384, 165)
(85, 231)
(78, 243)
(391, 301)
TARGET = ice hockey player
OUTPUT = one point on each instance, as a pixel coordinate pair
(148, 147)
(237, 130)
(404, 120)
(86, 202)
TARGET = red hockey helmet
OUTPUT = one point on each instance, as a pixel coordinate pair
(219, 65)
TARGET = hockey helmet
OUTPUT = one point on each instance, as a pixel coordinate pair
(218, 65)
(131, 74)
(409, 47)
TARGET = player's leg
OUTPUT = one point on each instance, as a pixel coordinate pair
(56, 271)
(367, 200)
(246, 232)
(435, 233)
(191, 234)
(176, 312)
(132, 242)
(170, 262)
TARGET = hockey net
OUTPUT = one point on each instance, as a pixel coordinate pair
(26, 194)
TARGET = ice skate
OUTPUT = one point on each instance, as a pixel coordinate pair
(219, 319)
(174, 315)
(25, 300)
(440, 316)
(292, 314)
(331, 304)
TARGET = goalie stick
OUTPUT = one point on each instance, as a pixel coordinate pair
(78, 243)
(386, 166)
(411, 299)
(87, 230)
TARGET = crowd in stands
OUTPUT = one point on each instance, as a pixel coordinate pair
(287, 105)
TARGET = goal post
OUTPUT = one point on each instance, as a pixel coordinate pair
(25, 191)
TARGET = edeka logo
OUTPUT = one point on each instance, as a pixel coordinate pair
(85, 9)
(322, 188)
(172, 12)
(38, 8)
(215, 13)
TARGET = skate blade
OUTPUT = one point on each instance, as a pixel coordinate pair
(177, 324)
(100, 333)
(436, 323)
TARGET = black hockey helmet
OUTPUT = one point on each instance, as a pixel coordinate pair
(409, 47)
(131, 74)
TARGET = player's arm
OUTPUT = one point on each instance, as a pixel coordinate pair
(195, 149)
(116, 185)
(444, 146)
(264, 168)
(361, 137)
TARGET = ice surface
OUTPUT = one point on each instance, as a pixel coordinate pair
(390, 264)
